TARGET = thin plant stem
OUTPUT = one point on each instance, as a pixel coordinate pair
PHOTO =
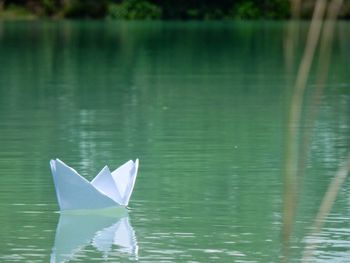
(291, 163)
(322, 74)
(326, 206)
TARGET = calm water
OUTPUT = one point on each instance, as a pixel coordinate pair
(203, 105)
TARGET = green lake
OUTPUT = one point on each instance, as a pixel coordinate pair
(203, 105)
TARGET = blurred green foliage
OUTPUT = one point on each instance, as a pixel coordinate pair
(161, 9)
(247, 10)
(14, 11)
(86, 8)
(134, 10)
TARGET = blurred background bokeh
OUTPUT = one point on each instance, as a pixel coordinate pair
(238, 111)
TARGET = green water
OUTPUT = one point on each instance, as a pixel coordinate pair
(204, 107)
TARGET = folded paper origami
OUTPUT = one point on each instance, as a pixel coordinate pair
(107, 189)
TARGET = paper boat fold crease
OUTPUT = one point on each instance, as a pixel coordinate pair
(105, 190)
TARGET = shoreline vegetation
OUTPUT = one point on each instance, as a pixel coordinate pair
(157, 9)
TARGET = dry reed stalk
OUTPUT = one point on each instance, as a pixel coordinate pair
(295, 166)
(321, 78)
(291, 163)
(326, 207)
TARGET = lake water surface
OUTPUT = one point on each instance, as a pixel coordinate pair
(204, 106)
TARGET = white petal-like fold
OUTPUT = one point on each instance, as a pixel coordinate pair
(74, 191)
(105, 183)
(125, 177)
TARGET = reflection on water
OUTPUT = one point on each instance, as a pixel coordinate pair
(332, 243)
(203, 105)
(108, 234)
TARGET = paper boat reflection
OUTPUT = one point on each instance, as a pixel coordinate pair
(106, 233)
(105, 190)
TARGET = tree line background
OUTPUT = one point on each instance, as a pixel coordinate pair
(157, 9)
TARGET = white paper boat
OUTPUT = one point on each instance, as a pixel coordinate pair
(113, 236)
(105, 190)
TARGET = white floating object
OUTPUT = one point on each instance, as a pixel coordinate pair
(109, 233)
(105, 190)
